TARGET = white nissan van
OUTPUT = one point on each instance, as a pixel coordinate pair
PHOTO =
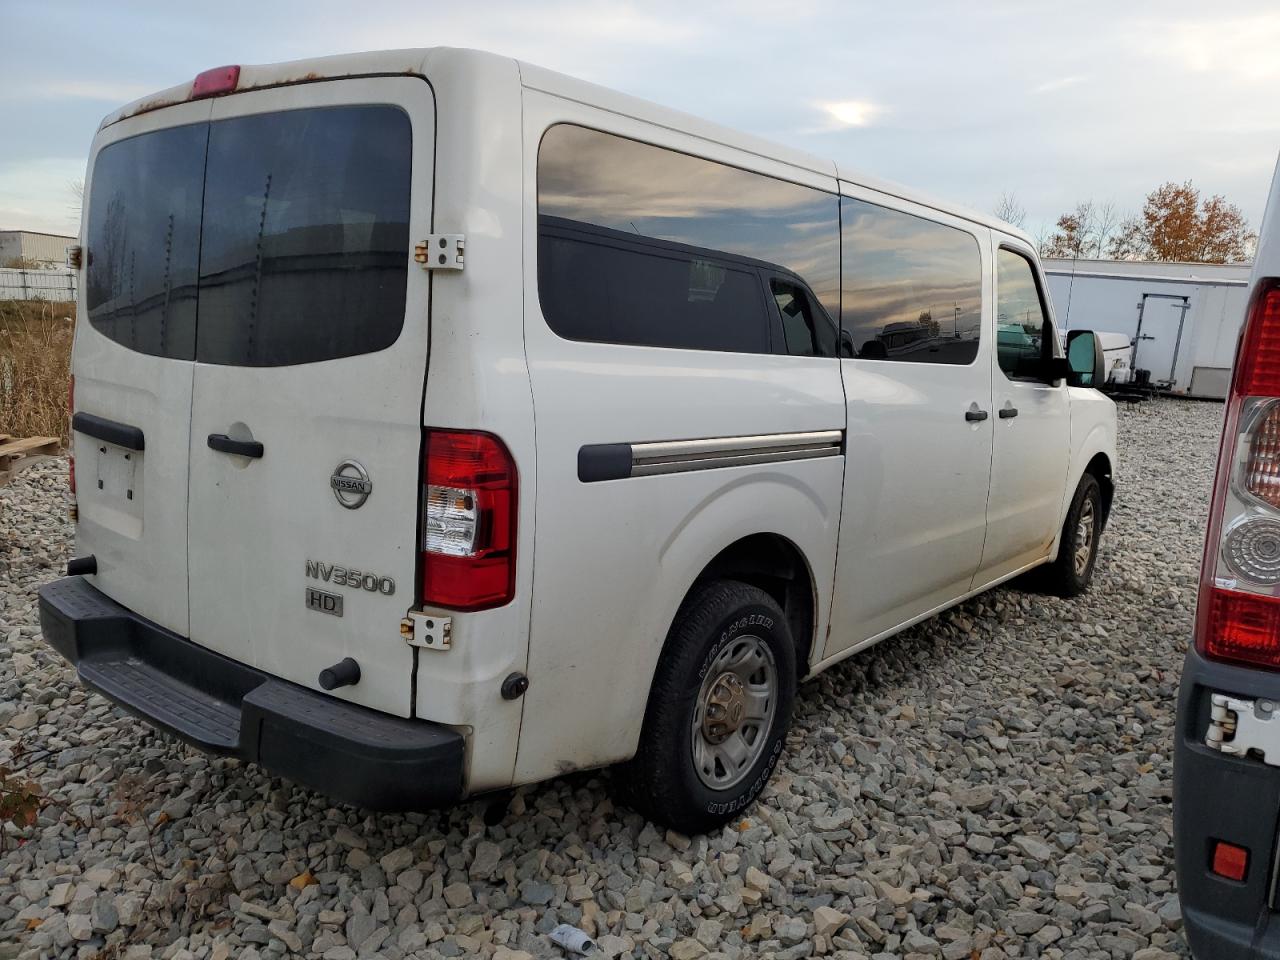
(443, 424)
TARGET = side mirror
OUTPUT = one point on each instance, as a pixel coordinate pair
(1085, 359)
(1057, 368)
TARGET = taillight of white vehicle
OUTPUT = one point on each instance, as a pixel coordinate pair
(1238, 617)
(468, 521)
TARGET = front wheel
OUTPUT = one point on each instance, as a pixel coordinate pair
(1069, 575)
(718, 710)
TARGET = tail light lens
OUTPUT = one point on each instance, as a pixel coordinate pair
(1262, 462)
(1230, 861)
(211, 83)
(1238, 617)
(468, 521)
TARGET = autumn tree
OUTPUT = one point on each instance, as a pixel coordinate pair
(1177, 224)
(1086, 232)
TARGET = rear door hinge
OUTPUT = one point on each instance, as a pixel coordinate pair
(1245, 728)
(427, 630)
(442, 251)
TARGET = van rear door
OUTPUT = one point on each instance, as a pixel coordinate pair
(306, 412)
(133, 358)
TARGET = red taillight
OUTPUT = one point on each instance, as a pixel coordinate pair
(468, 522)
(1259, 367)
(1238, 617)
(1243, 627)
(210, 83)
(1230, 861)
(71, 412)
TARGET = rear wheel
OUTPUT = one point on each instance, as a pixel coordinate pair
(718, 711)
(1069, 575)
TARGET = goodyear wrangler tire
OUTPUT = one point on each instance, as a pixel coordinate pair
(1070, 574)
(718, 711)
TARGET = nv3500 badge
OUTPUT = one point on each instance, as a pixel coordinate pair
(347, 577)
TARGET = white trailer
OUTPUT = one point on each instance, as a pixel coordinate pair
(1182, 319)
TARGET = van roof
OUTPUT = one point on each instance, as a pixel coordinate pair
(427, 61)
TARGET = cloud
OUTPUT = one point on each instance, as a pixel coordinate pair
(36, 194)
(1049, 86)
(850, 113)
(106, 91)
(1243, 47)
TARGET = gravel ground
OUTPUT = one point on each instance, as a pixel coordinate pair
(993, 783)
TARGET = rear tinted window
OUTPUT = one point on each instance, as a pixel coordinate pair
(306, 236)
(600, 285)
(299, 253)
(144, 241)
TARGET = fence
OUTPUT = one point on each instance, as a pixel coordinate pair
(56, 284)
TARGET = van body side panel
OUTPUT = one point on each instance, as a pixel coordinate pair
(615, 558)
(915, 489)
(283, 576)
(133, 503)
(478, 380)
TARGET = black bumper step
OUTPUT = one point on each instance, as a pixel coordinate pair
(349, 752)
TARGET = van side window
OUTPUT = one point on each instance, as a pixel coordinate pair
(806, 329)
(911, 287)
(609, 188)
(605, 286)
(1024, 338)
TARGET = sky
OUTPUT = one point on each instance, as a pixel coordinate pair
(1053, 103)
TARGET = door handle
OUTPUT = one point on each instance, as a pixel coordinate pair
(1007, 413)
(975, 415)
(244, 448)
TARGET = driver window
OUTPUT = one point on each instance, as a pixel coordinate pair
(1024, 338)
(806, 329)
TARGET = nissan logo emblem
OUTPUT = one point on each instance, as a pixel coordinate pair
(351, 484)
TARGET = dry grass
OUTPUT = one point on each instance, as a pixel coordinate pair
(35, 362)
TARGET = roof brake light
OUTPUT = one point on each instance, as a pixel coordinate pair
(212, 83)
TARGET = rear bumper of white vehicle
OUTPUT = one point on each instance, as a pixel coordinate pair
(349, 752)
(1220, 797)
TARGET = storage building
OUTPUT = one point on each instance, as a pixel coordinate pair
(44, 249)
(1182, 319)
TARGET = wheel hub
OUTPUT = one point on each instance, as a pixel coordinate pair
(733, 712)
(1085, 530)
(724, 709)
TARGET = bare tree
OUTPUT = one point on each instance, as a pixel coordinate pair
(1107, 224)
(1086, 232)
(1009, 210)
(76, 189)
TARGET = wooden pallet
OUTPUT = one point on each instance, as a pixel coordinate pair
(17, 455)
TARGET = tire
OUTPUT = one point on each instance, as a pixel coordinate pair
(1069, 575)
(691, 772)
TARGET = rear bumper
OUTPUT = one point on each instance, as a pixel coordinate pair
(1220, 797)
(349, 752)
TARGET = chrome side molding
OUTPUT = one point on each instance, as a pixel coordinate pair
(619, 461)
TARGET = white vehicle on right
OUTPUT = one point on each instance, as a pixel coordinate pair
(1226, 774)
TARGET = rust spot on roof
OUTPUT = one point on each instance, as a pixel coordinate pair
(148, 105)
